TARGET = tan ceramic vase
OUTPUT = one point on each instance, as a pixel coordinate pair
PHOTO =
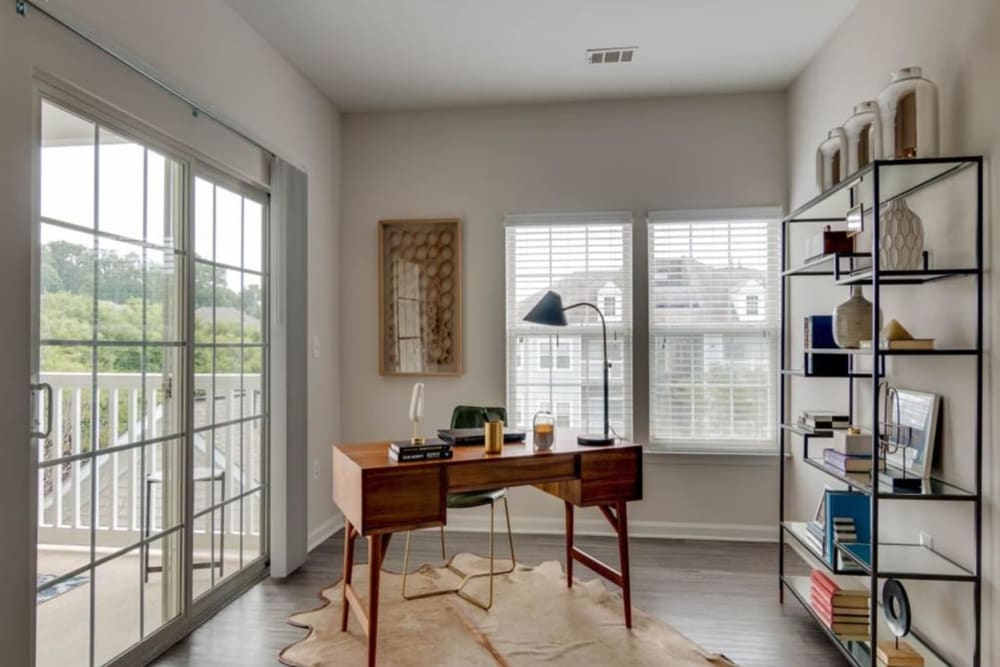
(852, 320)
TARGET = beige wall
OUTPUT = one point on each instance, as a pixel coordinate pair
(207, 51)
(956, 44)
(480, 164)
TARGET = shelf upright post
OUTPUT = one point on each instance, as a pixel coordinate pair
(978, 511)
(876, 353)
(783, 314)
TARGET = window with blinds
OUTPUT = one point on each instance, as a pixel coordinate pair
(713, 329)
(584, 257)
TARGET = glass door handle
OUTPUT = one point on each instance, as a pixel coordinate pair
(47, 389)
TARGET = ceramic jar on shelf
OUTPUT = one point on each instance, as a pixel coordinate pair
(901, 237)
(852, 320)
(831, 159)
(908, 108)
(863, 132)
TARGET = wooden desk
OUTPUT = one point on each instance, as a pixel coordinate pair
(379, 497)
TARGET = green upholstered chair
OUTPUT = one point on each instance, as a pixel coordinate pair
(470, 416)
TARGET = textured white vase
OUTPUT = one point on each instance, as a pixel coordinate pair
(852, 320)
(901, 237)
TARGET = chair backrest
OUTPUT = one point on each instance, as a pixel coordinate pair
(475, 416)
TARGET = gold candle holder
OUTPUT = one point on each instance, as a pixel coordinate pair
(494, 437)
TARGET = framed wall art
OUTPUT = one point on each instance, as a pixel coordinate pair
(420, 297)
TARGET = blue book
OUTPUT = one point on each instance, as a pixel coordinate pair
(850, 504)
(818, 332)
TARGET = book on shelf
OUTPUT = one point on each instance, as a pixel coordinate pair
(405, 455)
(843, 529)
(818, 335)
(816, 529)
(847, 462)
(824, 420)
(909, 344)
(846, 442)
(850, 504)
(813, 542)
(827, 588)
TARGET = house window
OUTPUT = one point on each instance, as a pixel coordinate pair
(581, 257)
(563, 409)
(713, 359)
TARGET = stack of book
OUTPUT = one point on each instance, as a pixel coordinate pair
(432, 448)
(816, 536)
(846, 612)
(847, 462)
(823, 421)
(898, 654)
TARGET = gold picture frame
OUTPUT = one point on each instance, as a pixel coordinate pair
(420, 297)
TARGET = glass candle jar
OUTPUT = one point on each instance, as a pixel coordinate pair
(544, 427)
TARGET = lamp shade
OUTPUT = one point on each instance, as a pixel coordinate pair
(548, 310)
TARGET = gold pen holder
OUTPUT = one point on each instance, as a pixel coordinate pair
(494, 437)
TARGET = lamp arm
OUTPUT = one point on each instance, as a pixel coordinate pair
(604, 331)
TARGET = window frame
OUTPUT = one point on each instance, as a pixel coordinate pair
(770, 327)
(620, 328)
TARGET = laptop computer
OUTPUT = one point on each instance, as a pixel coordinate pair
(475, 436)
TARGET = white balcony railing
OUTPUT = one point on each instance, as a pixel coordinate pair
(128, 415)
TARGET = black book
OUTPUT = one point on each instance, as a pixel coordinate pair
(420, 455)
(429, 445)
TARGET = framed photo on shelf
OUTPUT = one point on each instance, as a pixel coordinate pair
(910, 447)
(420, 297)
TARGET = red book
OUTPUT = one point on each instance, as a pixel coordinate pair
(820, 580)
(839, 607)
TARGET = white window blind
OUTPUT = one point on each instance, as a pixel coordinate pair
(584, 257)
(713, 320)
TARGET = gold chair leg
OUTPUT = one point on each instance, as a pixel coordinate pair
(406, 565)
(444, 554)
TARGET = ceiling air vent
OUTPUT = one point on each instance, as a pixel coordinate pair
(618, 54)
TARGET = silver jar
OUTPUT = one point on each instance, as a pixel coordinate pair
(909, 111)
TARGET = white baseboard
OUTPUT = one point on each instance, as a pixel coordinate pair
(598, 526)
(325, 530)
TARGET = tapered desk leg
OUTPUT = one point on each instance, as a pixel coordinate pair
(569, 544)
(349, 535)
(376, 552)
(623, 558)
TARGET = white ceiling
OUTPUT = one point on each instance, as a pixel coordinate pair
(403, 54)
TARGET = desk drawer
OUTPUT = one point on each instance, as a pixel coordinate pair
(403, 497)
(495, 473)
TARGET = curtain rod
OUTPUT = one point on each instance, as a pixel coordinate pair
(20, 6)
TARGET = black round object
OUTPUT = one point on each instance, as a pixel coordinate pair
(896, 607)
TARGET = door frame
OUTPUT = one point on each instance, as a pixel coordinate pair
(193, 163)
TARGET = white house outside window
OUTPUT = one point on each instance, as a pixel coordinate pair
(713, 325)
(583, 257)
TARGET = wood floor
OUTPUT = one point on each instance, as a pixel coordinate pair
(722, 595)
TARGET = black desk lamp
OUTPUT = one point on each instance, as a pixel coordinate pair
(549, 310)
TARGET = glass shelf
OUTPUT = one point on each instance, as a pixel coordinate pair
(897, 178)
(899, 353)
(800, 531)
(798, 429)
(906, 561)
(916, 277)
(933, 488)
(857, 652)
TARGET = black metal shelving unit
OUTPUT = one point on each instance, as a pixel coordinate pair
(881, 182)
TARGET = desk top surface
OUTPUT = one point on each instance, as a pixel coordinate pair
(376, 454)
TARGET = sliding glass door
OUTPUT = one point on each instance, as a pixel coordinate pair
(152, 357)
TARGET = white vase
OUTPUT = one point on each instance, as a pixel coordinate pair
(901, 237)
(831, 159)
(863, 132)
(852, 320)
(908, 108)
